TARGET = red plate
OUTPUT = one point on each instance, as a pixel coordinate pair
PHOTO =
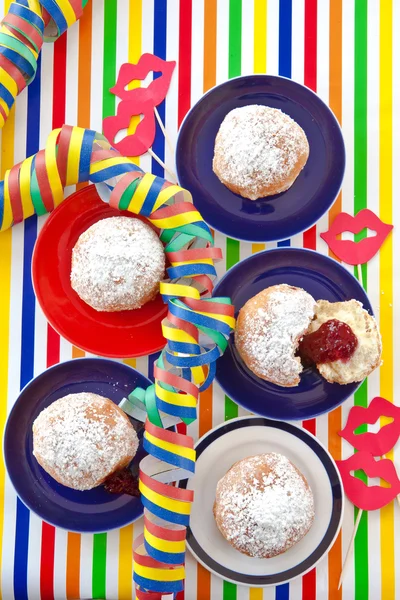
(120, 334)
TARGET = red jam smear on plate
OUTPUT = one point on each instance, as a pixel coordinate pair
(123, 482)
(334, 340)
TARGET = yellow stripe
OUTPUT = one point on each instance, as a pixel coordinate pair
(177, 220)
(386, 272)
(168, 192)
(7, 214)
(140, 194)
(160, 574)
(74, 155)
(52, 169)
(177, 289)
(8, 82)
(164, 545)
(108, 162)
(260, 36)
(7, 158)
(4, 106)
(25, 187)
(177, 335)
(134, 53)
(67, 11)
(201, 261)
(188, 453)
(183, 508)
(125, 564)
(173, 398)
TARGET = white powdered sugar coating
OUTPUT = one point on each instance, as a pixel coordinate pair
(269, 333)
(117, 264)
(264, 505)
(259, 147)
(82, 438)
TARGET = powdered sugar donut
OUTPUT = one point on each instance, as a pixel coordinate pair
(263, 505)
(117, 264)
(268, 330)
(259, 151)
(81, 439)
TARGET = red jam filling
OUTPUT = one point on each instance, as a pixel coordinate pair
(334, 340)
(122, 482)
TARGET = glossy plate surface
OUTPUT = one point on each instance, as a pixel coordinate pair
(216, 452)
(116, 334)
(321, 277)
(276, 217)
(90, 511)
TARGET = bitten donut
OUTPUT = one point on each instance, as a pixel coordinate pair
(81, 439)
(259, 151)
(117, 264)
(263, 505)
(365, 357)
(268, 330)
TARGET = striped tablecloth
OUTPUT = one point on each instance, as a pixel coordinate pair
(347, 52)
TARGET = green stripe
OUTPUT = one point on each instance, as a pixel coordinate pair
(99, 565)
(109, 56)
(360, 202)
(233, 246)
(109, 79)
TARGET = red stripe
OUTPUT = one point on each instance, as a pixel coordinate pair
(59, 81)
(185, 58)
(53, 339)
(309, 237)
(47, 562)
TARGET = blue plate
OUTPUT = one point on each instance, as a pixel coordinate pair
(89, 511)
(324, 279)
(276, 217)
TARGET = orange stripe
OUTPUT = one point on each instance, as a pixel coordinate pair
(84, 71)
(203, 583)
(206, 412)
(77, 352)
(210, 45)
(73, 565)
(335, 417)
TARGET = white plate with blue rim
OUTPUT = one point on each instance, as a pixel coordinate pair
(239, 438)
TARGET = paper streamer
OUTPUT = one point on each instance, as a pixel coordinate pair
(22, 31)
(196, 328)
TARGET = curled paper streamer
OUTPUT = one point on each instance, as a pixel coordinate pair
(197, 326)
(22, 31)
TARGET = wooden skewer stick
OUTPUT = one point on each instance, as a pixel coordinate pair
(350, 548)
(163, 165)
(161, 124)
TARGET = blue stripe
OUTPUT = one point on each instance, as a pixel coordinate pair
(285, 69)
(285, 38)
(285, 52)
(163, 513)
(152, 196)
(86, 153)
(168, 457)
(161, 586)
(28, 15)
(160, 49)
(152, 359)
(176, 558)
(27, 336)
(282, 592)
(6, 95)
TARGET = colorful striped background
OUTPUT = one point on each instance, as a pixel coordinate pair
(347, 52)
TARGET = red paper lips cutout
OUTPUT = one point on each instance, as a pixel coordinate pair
(370, 445)
(379, 443)
(356, 253)
(139, 101)
(364, 496)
